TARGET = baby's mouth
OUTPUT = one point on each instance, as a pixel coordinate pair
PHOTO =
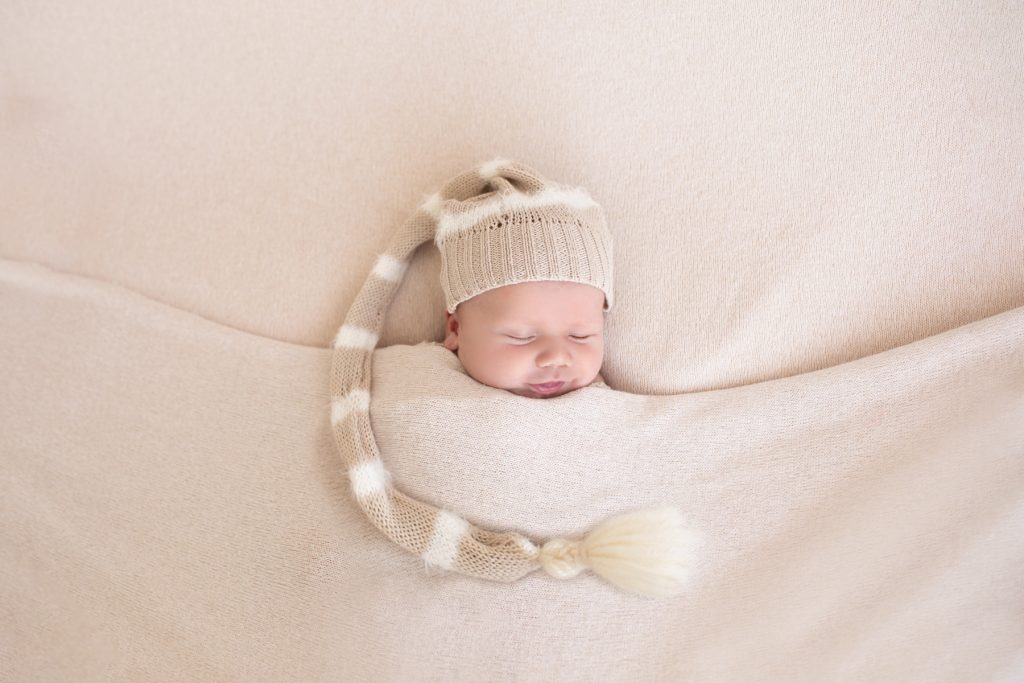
(545, 389)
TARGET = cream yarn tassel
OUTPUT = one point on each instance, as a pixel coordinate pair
(649, 552)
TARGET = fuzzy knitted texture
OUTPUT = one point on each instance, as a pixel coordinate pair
(497, 224)
(523, 229)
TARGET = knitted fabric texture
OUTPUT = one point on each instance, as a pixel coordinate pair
(497, 224)
(523, 229)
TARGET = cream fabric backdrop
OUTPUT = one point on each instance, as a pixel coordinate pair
(790, 189)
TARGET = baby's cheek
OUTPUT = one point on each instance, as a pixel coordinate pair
(497, 366)
(598, 358)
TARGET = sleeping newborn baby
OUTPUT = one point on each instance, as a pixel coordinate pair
(538, 339)
(526, 268)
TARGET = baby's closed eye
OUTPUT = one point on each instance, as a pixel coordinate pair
(531, 337)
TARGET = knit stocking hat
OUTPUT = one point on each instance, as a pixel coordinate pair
(522, 229)
(498, 224)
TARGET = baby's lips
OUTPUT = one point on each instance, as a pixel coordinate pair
(548, 391)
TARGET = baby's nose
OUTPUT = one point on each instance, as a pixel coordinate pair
(554, 353)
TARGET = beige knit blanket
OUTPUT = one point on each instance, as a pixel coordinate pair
(194, 522)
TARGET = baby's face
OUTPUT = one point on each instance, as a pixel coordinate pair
(530, 333)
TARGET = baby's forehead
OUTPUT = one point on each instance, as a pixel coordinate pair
(541, 304)
(513, 316)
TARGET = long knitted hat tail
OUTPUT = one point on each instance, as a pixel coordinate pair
(648, 552)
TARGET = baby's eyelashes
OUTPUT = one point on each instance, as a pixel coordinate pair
(571, 336)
